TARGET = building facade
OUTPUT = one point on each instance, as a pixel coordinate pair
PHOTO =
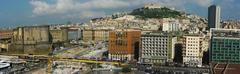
(193, 50)
(96, 35)
(101, 35)
(31, 35)
(5, 39)
(31, 40)
(152, 6)
(157, 47)
(59, 35)
(225, 46)
(88, 35)
(170, 25)
(75, 33)
(123, 44)
(4, 47)
(6, 34)
(214, 16)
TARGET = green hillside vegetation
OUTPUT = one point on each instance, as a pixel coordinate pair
(155, 13)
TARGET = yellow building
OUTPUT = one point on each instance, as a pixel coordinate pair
(95, 35)
(5, 39)
(6, 34)
(101, 35)
(59, 35)
(88, 35)
(31, 35)
(31, 40)
(4, 47)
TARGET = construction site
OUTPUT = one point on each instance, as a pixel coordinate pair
(73, 60)
(45, 50)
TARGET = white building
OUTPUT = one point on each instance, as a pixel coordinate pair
(152, 5)
(126, 17)
(151, 27)
(170, 25)
(193, 50)
(157, 48)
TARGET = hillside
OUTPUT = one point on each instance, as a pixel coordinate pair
(149, 18)
(155, 13)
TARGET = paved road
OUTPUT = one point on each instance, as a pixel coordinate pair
(164, 69)
(115, 72)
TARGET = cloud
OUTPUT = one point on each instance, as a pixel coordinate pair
(92, 8)
(41, 7)
(91, 14)
(104, 4)
(203, 3)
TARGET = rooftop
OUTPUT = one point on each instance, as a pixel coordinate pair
(126, 30)
(226, 68)
(34, 26)
(230, 33)
(157, 34)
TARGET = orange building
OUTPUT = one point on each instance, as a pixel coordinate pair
(123, 44)
(5, 39)
(6, 34)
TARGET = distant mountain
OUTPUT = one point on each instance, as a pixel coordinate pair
(155, 13)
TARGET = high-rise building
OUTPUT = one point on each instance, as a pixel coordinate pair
(193, 50)
(124, 44)
(225, 46)
(214, 16)
(157, 48)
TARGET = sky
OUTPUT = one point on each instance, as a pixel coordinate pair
(31, 12)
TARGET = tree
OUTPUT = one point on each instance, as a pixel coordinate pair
(155, 13)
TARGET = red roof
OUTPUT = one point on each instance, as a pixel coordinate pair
(226, 68)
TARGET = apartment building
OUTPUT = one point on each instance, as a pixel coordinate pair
(193, 50)
(157, 47)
